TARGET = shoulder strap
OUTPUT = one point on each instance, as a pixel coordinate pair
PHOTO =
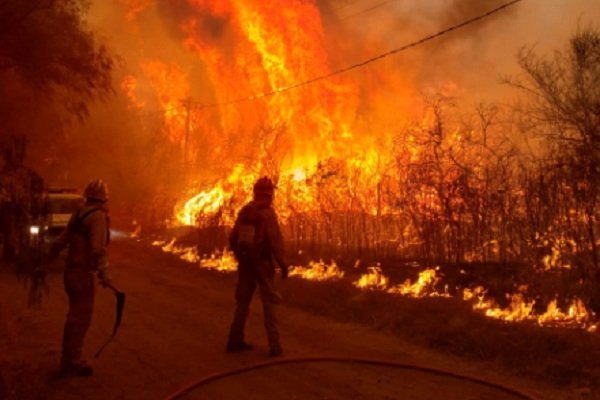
(87, 213)
(77, 224)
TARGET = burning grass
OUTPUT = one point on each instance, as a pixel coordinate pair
(418, 306)
(517, 306)
(560, 356)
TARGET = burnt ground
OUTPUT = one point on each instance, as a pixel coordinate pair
(174, 332)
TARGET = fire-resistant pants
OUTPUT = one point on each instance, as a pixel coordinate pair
(249, 276)
(79, 285)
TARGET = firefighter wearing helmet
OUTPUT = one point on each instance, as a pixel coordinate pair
(87, 236)
(257, 244)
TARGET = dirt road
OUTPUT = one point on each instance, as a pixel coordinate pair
(174, 331)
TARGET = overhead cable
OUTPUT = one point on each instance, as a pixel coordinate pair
(378, 57)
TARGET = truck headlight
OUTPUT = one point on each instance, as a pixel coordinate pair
(34, 229)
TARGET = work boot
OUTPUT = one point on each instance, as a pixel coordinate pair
(236, 347)
(275, 351)
(79, 368)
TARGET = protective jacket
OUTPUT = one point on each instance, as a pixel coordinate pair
(266, 235)
(87, 236)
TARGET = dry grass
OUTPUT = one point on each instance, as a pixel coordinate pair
(560, 356)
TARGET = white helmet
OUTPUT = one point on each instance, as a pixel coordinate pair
(96, 190)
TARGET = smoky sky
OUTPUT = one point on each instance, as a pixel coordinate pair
(474, 57)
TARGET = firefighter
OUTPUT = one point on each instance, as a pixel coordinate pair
(257, 244)
(87, 236)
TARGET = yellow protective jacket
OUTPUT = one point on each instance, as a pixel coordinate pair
(87, 236)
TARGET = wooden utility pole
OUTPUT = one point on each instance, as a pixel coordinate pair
(187, 104)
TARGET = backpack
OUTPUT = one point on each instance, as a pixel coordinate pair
(78, 227)
(251, 243)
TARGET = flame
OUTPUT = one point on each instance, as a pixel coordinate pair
(424, 286)
(204, 202)
(277, 44)
(210, 202)
(374, 279)
(136, 232)
(189, 254)
(167, 248)
(559, 247)
(129, 87)
(222, 262)
(299, 175)
(317, 271)
(171, 85)
(520, 309)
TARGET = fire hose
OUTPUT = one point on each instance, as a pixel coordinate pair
(364, 361)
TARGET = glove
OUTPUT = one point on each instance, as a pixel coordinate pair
(103, 276)
(284, 271)
(104, 279)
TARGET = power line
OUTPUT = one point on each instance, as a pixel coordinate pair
(360, 64)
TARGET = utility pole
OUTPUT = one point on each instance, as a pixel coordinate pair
(187, 104)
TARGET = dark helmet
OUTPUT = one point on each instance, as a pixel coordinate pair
(96, 190)
(264, 187)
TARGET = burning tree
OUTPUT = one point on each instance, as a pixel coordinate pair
(563, 108)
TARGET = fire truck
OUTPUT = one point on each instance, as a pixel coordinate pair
(57, 206)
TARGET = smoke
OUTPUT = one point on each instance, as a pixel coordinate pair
(472, 59)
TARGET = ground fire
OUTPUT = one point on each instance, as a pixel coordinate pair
(410, 190)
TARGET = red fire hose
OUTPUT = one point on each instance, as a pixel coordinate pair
(393, 364)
